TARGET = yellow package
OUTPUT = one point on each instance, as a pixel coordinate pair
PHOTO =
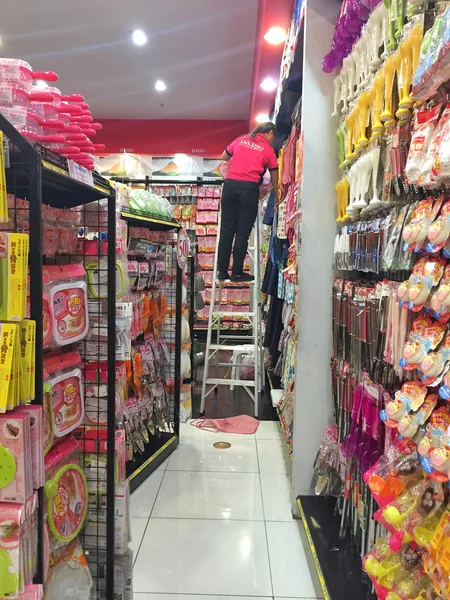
(7, 341)
(13, 393)
(26, 247)
(13, 275)
(27, 355)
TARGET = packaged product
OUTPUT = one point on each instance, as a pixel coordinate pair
(14, 274)
(67, 292)
(65, 379)
(68, 222)
(65, 491)
(50, 234)
(18, 550)
(69, 575)
(16, 477)
(424, 127)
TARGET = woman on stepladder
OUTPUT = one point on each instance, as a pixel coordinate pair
(251, 155)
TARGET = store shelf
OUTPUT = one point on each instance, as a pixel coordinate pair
(338, 566)
(156, 452)
(59, 189)
(150, 222)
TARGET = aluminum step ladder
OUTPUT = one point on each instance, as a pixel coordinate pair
(240, 345)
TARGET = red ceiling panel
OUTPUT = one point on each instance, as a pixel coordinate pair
(272, 13)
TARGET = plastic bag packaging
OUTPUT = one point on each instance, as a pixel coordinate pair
(185, 403)
(69, 576)
(97, 278)
(394, 239)
(68, 222)
(50, 233)
(424, 128)
(427, 177)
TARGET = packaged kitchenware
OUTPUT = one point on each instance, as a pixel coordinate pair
(65, 491)
(67, 291)
(65, 378)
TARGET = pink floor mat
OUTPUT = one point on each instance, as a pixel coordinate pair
(241, 424)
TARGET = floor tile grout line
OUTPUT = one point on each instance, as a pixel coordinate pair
(265, 526)
(157, 493)
(243, 520)
(148, 521)
(218, 595)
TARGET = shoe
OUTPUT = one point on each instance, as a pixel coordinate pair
(223, 276)
(242, 278)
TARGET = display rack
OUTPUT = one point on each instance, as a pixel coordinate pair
(149, 454)
(37, 178)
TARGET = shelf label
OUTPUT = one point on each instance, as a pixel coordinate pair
(182, 249)
(80, 173)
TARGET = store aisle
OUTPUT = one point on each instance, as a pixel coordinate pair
(217, 523)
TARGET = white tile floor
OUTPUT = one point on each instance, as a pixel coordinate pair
(216, 524)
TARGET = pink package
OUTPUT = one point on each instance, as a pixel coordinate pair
(12, 518)
(68, 222)
(50, 234)
(15, 457)
(200, 229)
(214, 204)
(37, 434)
(200, 204)
(201, 191)
(209, 191)
(67, 391)
(32, 592)
(217, 191)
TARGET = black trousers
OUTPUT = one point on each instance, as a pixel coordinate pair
(239, 210)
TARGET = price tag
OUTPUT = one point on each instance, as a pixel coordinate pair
(80, 173)
(182, 249)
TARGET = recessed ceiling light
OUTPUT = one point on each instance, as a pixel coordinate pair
(262, 118)
(41, 84)
(160, 86)
(275, 36)
(139, 37)
(269, 84)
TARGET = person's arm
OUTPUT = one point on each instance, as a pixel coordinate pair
(274, 179)
(272, 165)
(228, 153)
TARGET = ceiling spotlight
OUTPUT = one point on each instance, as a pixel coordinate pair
(139, 37)
(275, 36)
(269, 84)
(160, 86)
(40, 84)
(262, 118)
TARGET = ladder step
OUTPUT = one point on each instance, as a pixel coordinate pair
(226, 347)
(214, 381)
(230, 364)
(231, 313)
(237, 337)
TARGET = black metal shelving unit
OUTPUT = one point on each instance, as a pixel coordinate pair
(41, 176)
(160, 446)
(337, 563)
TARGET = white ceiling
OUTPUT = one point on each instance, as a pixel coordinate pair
(202, 49)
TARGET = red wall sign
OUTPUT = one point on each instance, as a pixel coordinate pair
(166, 137)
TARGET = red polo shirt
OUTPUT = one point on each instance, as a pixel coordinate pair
(250, 158)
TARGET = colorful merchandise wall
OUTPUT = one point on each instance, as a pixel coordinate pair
(379, 484)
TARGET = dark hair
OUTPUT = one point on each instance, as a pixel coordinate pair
(262, 128)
